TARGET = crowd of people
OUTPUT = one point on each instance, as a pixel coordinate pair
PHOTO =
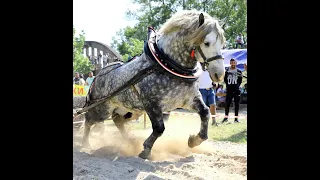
(79, 80)
(216, 97)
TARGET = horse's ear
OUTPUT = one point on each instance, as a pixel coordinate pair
(201, 19)
(222, 22)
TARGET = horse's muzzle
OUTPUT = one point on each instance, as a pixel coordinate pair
(217, 78)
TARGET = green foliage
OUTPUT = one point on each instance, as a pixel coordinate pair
(80, 63)
(233, 14)
(127, 43)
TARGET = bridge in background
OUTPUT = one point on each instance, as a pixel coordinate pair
(100, 54)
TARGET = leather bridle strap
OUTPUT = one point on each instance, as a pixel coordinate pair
(205, 58)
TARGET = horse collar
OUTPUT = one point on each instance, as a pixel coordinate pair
(155, 53)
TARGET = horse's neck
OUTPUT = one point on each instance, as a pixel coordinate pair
(177, 51)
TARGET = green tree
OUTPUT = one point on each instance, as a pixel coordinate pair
(129, 40)
(232, 13)
(127, 43)
(80, 62)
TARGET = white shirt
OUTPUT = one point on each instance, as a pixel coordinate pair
(205, 80)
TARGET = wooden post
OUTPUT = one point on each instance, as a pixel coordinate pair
(144, 120)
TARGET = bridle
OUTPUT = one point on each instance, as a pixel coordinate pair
(206, 61)
(205, 64)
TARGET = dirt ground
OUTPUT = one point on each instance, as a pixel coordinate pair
(111, 157)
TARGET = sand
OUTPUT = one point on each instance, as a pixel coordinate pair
(112, 157)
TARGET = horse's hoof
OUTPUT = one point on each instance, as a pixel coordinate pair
(145, 154)
(194, 141)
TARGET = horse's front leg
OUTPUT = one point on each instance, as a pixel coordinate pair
(204, 112)
(156, 117)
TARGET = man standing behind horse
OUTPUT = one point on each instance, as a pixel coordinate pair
(89, 81)
(208, 94)
(233, 79)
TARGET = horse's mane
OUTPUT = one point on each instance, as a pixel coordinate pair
(187, 23)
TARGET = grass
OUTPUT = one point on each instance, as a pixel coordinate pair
(233, 132)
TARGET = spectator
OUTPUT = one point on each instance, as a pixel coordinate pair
(244, 89)
(78, 80)
(221, 95)
(243, 98)
(233, 79)
(105, 60)
(89, 81)
(208, 94)
(239, 41)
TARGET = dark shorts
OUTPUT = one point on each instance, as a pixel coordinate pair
(208, 96)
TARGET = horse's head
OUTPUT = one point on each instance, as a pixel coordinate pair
(201, 35)
(208, 46)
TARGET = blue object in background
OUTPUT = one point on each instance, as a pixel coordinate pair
(239, 54)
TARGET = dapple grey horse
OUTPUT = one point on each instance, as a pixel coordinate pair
(163, 78)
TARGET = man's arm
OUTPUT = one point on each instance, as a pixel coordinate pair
(239, 78)
(226, 77)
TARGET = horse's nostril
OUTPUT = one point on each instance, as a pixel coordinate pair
(216, 75)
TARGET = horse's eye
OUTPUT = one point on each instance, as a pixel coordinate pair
(207, 44)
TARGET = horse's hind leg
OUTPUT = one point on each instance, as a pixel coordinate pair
(204, 112)
(85, 139)
(93, 116)
(99, 127)
(119, 122)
